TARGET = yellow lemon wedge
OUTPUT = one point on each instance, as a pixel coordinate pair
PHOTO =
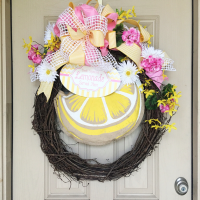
(100, 120)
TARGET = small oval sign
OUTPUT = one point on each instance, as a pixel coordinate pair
(88, 82)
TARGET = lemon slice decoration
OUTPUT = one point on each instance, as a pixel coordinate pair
(98, 121)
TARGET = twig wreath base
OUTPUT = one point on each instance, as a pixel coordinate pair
(69, 164)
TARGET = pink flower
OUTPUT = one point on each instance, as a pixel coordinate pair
(131, 36)
(152, 67)
(152, 64)
(164, 108)
(37, 59)
(129, 42)
(125, 36)
(34, 47)
(31, 53)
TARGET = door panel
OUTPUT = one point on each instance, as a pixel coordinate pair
(33, 177)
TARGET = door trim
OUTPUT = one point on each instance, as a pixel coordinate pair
(5, 101)
(196, 98)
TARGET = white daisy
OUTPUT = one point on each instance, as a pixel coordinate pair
(156, 53)
(128, 72)
(46, 72)
(47, 34)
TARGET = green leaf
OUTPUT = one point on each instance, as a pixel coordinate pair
(118, 28)
(167, 89)
(151, 102)
(119, 40)
(121, 58)
(119, 13)
(45, 50)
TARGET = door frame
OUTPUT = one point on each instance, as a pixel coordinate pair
(196, 98)
(6, 100)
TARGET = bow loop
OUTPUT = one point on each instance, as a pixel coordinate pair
(76, 35)
(96, 22)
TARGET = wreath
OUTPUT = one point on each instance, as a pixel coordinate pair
(97, 37)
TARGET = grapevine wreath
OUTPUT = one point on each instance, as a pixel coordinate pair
(99, 80)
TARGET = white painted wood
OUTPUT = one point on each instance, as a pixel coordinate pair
(99, 191)
(5, 101)
(55, 188)
(196, 108)
(167, 21)
(1, 116)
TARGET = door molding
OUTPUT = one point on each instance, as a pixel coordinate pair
(5, 101)
(196, 98)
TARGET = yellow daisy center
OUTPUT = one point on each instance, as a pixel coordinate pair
(48, 72)
(128, 73)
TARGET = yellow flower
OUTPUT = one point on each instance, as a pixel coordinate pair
(153, 120)
(149, 121)
(164, 76)
(156, 126)
(148, 81)
(140, 70)
(161, 102)
(167, 95)
(149, 93)
(172, 109)
(141, 87)
(133, 11)
(149, 41)
(157, 121)
(53, 43)
(122, 15)
(144, 27)
(176, 96)
(28, 46)
(174, 87)
(32, 66)
(123, 59)
(170, 127)
(127, 15)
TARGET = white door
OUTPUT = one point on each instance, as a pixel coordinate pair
(33, 179)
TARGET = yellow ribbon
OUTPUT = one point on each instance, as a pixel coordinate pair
(133, 52)
(107, 10)
(45, 86)
(144, 35)
(96, 38)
